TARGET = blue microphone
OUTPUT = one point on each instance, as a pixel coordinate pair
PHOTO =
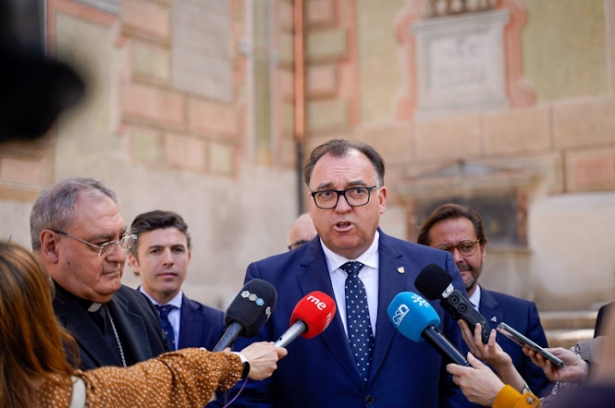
(416, 319)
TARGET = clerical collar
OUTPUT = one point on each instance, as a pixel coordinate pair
(94, 307)
(84, 303)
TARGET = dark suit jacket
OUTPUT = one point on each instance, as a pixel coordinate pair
(602, 318)
(320, 372)
(522, 316)
(136, 320)
(200, 325)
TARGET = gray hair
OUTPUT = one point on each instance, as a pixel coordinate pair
(55, 207)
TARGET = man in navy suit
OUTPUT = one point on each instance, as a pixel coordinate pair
(459, 230)
(161, 258)
(385, 369)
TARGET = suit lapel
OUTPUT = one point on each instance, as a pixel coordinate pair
(134, 332)
(190, 327)
(314, 275)
(390, 283)
(490, 308)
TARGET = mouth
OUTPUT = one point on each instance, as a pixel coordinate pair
(167, 275)
(342, 226)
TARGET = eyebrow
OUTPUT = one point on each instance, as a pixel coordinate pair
(107, 236)
(328, 186)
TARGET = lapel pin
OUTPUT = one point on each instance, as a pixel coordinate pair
(401, 269)
(494, 319)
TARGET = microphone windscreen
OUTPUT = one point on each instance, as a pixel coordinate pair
(252, 306)
(432, 281)
(411, 314)
(316, 310)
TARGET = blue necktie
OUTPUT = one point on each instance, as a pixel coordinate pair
(357, 318)
(166, 324)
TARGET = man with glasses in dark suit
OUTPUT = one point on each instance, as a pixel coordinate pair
(459, 230)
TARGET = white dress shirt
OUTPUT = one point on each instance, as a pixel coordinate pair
(174, 315)
(368, 275)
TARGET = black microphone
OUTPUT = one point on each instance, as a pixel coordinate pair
(416, 319)
(435, 283)
(248, 312)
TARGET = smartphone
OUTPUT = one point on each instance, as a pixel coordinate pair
(521, 340)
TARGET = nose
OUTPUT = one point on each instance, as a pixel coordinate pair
(457, 257)
(167, 257)
(342, 204)
(116, 254)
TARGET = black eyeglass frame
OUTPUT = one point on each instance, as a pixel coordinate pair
(343, 193)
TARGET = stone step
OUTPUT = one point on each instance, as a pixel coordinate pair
(565, 329)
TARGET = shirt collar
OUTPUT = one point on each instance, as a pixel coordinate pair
(475, 298)
(176, 301)
(367, 258)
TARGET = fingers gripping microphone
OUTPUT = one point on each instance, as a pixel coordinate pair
(310, 317)
(416, 319)
(248, 312)
(435, 283)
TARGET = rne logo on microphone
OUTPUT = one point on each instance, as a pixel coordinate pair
(253, 297)
(399, 315)
(320, 305)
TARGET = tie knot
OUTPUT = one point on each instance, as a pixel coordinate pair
(164, 309)
(352, 268)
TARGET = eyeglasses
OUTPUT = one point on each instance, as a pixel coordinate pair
(297, 244)
(124, 242)
(465, 248)
(355, 197)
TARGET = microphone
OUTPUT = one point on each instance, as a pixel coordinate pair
(416, 319)
(310, 317)
(248, 312)
(435, 283)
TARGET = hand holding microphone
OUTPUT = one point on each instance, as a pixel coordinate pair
(312, 315)
(248, 312)
(263, 358)
(416, 319)
(435, 283)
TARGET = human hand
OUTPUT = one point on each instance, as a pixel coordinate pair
(263, 358)
(478, 383)
(574, 370)
(491, 352)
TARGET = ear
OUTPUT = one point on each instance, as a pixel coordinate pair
(134, 264)
(49, 247)
(382, 199)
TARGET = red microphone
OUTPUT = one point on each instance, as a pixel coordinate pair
(311, 317)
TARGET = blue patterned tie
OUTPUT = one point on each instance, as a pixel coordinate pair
(357, 318)
(166, 324)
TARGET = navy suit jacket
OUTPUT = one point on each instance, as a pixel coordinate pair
(200, 325)
(522, 316)
(136, 319)
(321, 372)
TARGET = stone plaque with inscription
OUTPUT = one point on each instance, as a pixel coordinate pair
(461, 64)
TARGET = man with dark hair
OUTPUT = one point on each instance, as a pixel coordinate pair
(79, 235)
(161, 257)
(360, 361)
(459, 230)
